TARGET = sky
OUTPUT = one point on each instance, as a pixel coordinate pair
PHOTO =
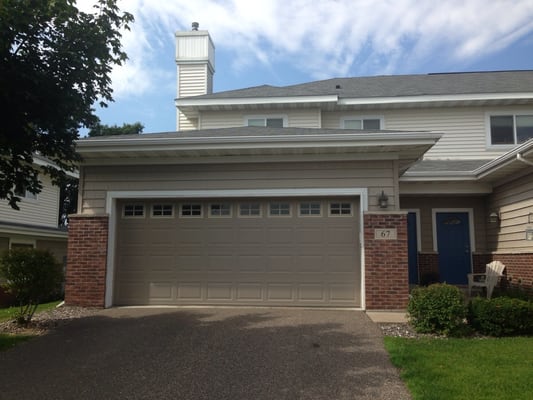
(285, 42)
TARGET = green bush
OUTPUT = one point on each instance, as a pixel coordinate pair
(438, 308)
(32, 276)
(501, 316)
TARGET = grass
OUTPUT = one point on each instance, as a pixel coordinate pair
(8, 340)
(446, 369)
(9, 313)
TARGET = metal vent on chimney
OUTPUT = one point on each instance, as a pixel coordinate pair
(195, 26)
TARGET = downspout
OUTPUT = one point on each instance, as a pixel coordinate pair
(520, 158)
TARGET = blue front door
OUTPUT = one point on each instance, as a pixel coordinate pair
(412, 249)
(453, 242)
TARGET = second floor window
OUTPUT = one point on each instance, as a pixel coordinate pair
(271, 122)
(510, 129)
(363, 123)
(25, 194)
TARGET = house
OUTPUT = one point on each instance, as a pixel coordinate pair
(35, 224)
(336, 193)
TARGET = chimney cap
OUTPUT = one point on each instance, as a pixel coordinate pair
(195, 26)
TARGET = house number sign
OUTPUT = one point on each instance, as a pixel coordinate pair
(385, 234)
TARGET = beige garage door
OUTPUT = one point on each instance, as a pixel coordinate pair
(269, 252)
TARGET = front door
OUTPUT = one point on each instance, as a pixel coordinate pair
(453, 242)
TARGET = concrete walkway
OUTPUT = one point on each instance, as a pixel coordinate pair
(205, 354)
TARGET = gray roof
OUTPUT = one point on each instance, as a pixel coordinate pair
(447, 165)
(394, 86)
(248, 131)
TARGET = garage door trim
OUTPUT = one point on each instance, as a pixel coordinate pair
(112, 196)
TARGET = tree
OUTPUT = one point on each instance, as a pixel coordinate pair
(32, 276)
(106, 130)
(55, 63)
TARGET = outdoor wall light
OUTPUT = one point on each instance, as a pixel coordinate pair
(494, 218)
(383, 200)
(529, 234)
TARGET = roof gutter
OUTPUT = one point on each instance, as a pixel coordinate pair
(520, 158)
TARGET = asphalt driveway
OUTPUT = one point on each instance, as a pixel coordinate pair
(222, 353)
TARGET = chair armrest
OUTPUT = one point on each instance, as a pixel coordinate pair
(477, 277)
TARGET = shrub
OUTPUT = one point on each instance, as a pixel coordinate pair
(501, 316)
(31, 276)
(438, 308)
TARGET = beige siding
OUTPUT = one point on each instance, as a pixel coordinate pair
(464, 128)
(374, 175)
(514, 202)
(299, 118)
(193, 80)
(426, 204)
(43, 211)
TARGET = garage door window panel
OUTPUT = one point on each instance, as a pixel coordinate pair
(340, 209)
(191, 210)
(249, 210)
(310, 209)
(220, 210)
(133, 211)
(162, 210)
(279, 209)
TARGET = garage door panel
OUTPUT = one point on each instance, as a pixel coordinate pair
(296, 260)
(189, 290)
(249, 291)
(219, 291)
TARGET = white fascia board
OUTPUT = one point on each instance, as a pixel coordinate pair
(214, 142)
(190, 102)
(435, 98)
(441, 178)
(33, 231)
(44, 162)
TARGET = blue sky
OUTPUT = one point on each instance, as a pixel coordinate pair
(283, 42)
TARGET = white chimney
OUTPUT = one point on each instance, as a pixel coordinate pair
(195, 60)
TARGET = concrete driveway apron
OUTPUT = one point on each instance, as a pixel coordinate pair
(205, 353)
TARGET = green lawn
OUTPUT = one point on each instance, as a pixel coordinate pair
(9, 313)
(8, 340)
(481, 369)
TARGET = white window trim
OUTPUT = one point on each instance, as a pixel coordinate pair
(133, 216)
(191, 216)
(270, 215)
(31, 242)
(26, 199)
(260, 215)
(488, 138)
(362, 117)
(230, 215)
(162, 216)
(340, 215)
(310, 215)
(267, 116)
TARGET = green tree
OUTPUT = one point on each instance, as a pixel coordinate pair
(110, 130)
(32, 276)
(55, 64)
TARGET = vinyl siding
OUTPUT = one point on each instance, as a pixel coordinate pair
(193, 80)
(57, 247)
(299, 118)
(374, 175)
(427, 203)
(42, 212)
(514, 202)
(464, 128)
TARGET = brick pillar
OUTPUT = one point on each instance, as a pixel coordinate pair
(386, 262)
(86, 261)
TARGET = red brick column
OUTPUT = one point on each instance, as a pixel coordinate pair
(386, 262)
(86, 261)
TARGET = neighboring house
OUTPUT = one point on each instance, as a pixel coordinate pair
(35, 224)
(336, 193)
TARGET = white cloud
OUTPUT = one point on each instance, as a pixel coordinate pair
(320, 38)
